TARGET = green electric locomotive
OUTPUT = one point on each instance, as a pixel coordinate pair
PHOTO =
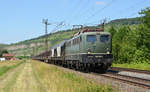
(89, 50)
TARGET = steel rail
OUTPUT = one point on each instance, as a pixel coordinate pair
(127, 79)
(130, 70)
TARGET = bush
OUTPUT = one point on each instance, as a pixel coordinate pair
(132, 44)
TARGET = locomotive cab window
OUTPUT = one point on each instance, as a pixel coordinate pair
(91, 38)
(104, 38)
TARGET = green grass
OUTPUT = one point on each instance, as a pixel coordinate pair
(141, 66)
(4, 69)
(13, 79)
(56, 80)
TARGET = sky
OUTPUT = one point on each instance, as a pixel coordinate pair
(22, 19)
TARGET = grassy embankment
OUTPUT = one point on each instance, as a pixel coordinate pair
(57, 80)
(141, 66)
(7, 65)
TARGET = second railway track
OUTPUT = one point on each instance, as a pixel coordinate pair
(130, 70)
(113, 73)
(127, 79)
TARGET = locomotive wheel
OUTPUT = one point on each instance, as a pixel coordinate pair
(86, 69)
(81, 67)
(77, 66)
(93, 67)
(69, 66)
(103, 69)
(65, 65)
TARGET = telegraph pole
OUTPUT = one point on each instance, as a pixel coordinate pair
(103, 24)
(45, 21)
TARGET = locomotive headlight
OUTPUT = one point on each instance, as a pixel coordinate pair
(108, 52)
(89, 51)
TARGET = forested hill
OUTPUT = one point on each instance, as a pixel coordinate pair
(126, 21)
(36, 45)
(3, 45)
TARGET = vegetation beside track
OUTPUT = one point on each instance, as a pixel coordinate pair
(131, 44)
(8, 65)
(56, 80)
(141, 66)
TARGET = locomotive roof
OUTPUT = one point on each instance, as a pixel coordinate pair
(86, 33)
(96, 33)
(91, 33)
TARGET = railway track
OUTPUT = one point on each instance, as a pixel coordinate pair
(129, 70)
(113, 73)
(127, 79)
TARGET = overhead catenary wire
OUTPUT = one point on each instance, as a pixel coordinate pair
(68, 10)
(79, 10)
(73, 12)
(134, 13)
(106, 6)
(58, 26)
(100, 10)
(130, 8)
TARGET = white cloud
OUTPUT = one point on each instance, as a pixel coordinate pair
(100, 3)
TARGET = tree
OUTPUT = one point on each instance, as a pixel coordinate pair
(112, 30)
(2, 52)
(143, 40)
(146, 16)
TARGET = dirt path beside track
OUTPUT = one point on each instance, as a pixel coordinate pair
(20, 79)
(5, 79)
